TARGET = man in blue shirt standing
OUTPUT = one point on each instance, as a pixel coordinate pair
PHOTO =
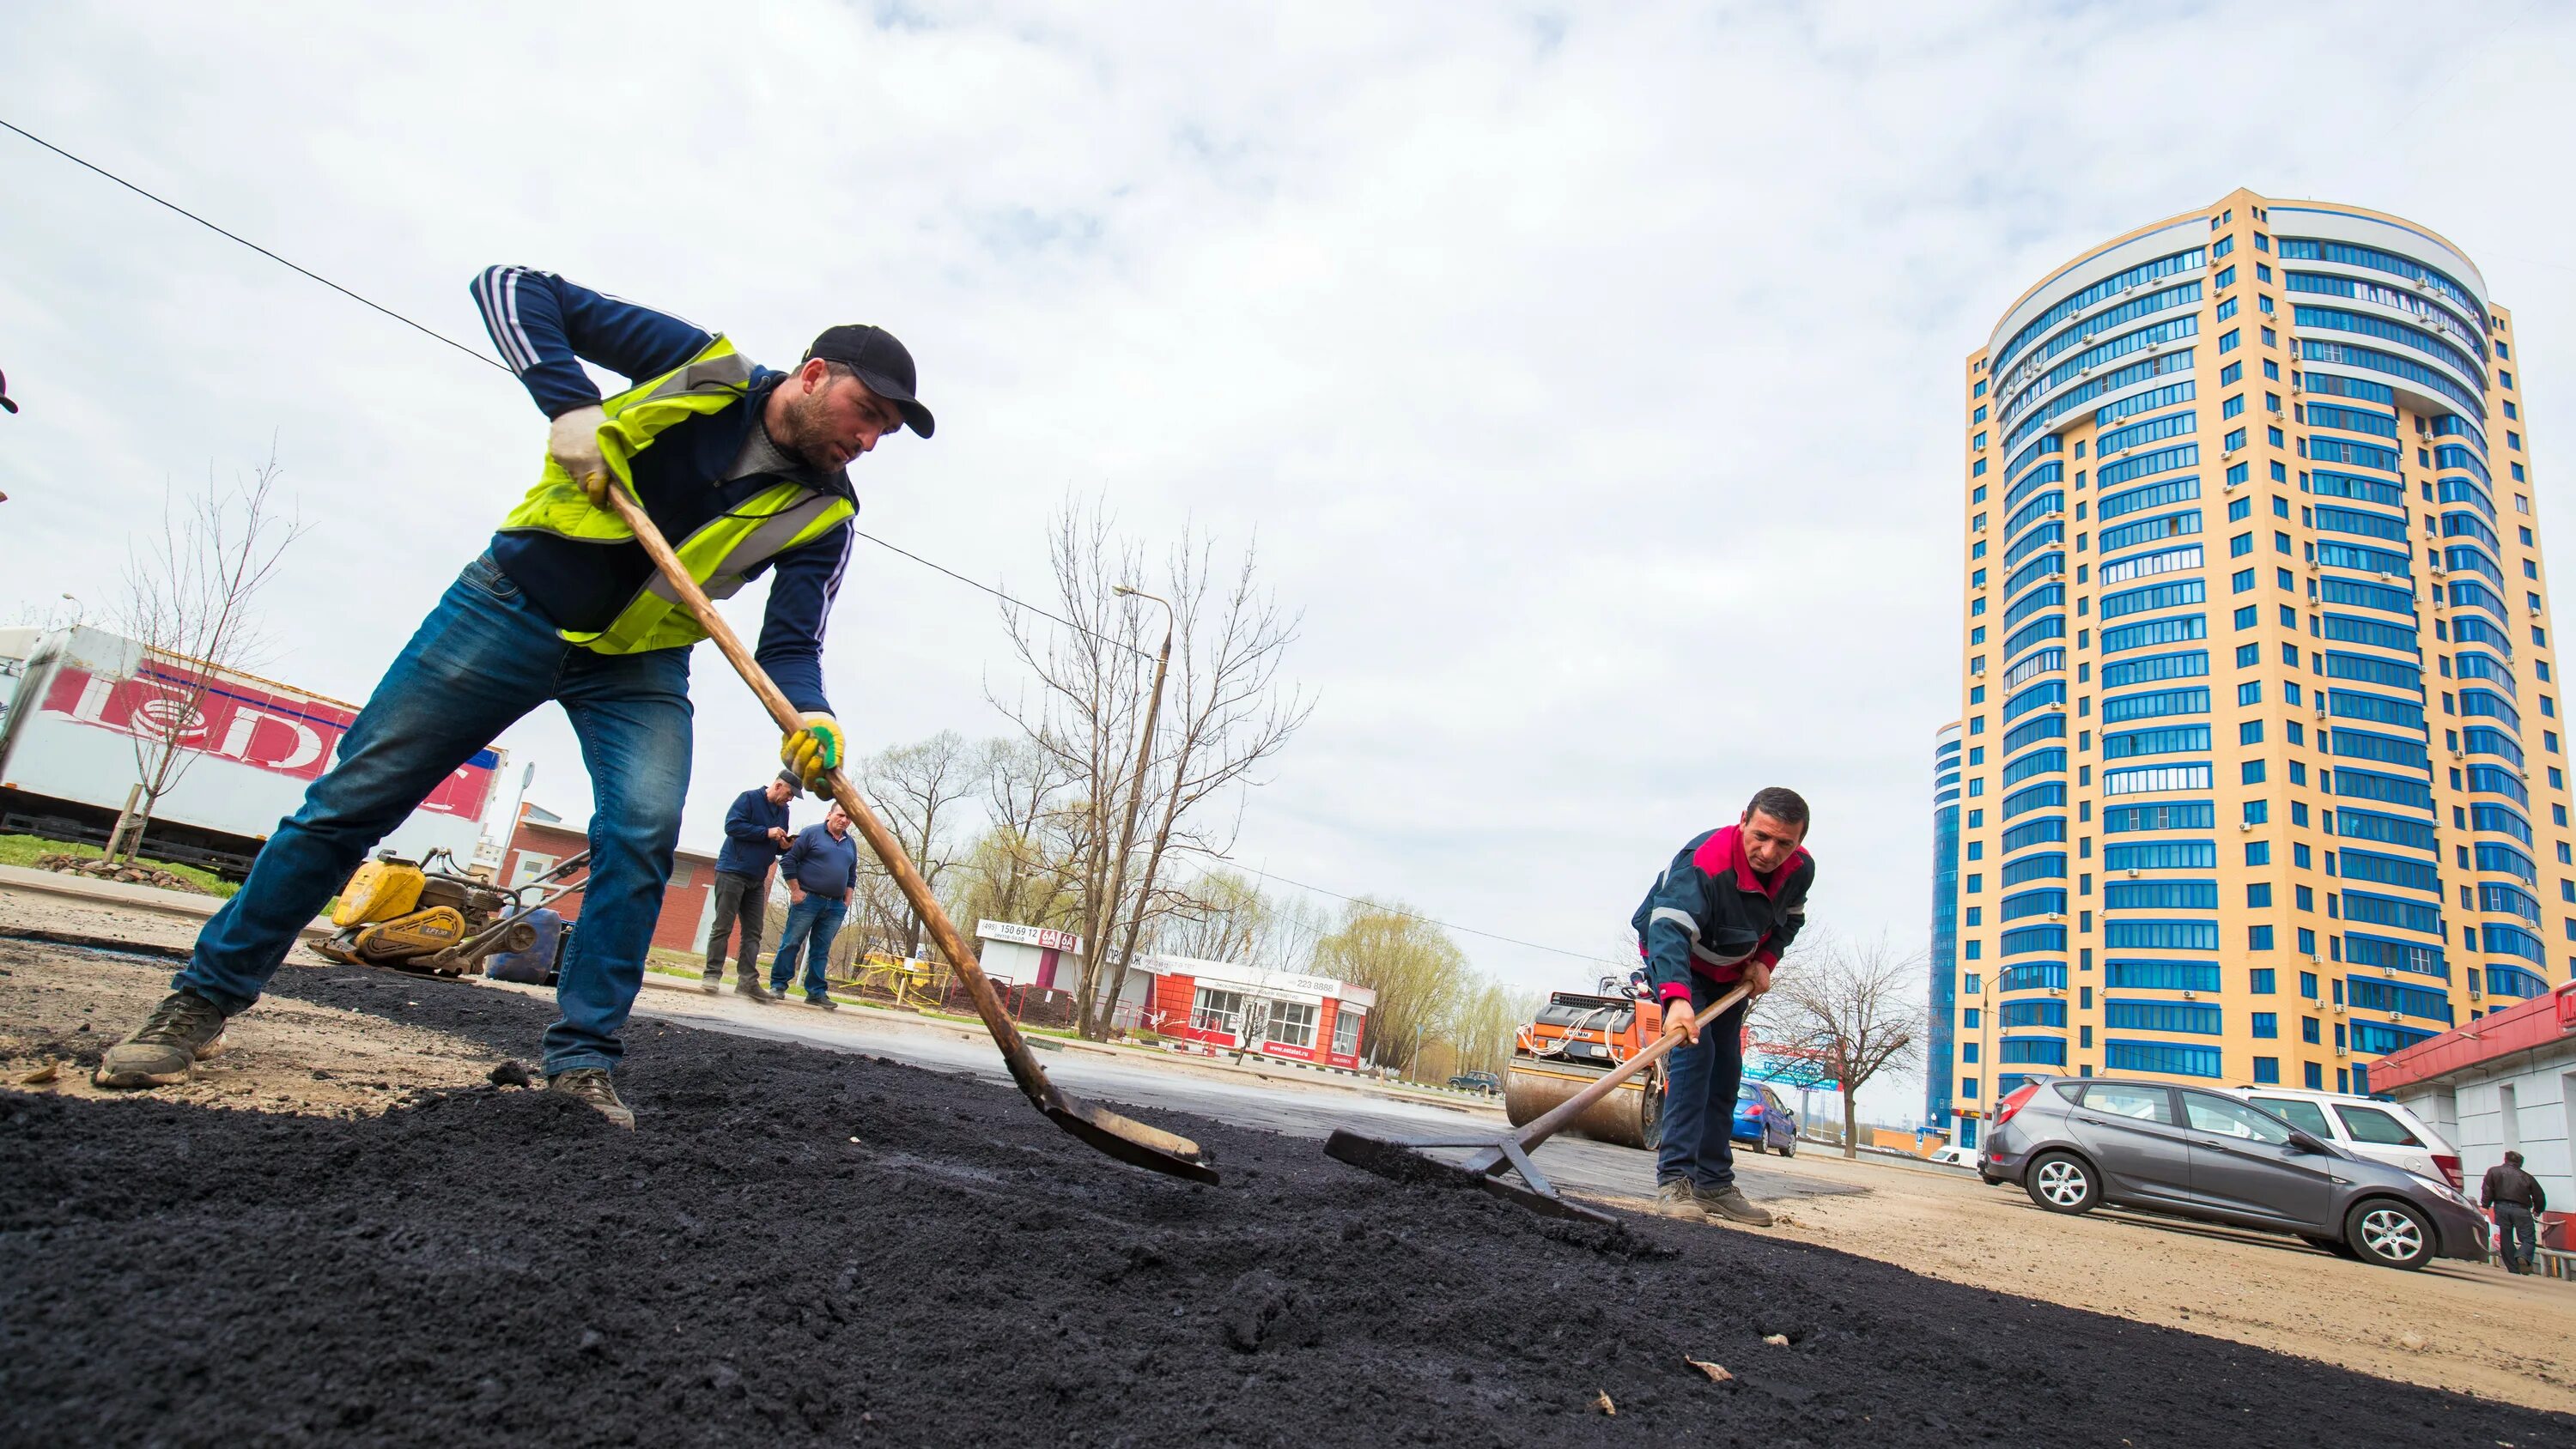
(821, 868)
(755, 836)
(745, 469)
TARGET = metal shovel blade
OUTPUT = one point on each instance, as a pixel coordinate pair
(1129, 1140)
(1407, 1163)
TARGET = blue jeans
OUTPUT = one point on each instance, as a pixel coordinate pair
(2516, 1235)
(811, 923)
(481, 660)
(1699, 1098)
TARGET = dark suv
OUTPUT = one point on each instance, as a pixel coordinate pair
(2077, 1143)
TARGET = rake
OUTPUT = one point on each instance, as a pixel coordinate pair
(1406, 1160)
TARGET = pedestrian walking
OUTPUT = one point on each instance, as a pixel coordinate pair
(745, 468)
(1722, 912)
(821, 868)
(755, 836)
(2515, 1197)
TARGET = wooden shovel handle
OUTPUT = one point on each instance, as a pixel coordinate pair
(943, 932)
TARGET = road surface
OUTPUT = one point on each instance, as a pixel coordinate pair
(1296, 1109)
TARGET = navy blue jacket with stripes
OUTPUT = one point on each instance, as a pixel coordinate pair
(546, 328)
(1711, 912)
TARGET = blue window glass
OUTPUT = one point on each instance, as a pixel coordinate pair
(2166, 1057)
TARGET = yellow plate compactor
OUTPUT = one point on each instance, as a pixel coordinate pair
(419, 917)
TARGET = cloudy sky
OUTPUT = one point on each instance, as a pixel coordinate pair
(1587, 376)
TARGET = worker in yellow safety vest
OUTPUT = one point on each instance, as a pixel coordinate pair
(745, 468)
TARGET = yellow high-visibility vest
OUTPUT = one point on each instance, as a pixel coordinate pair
(722, 552)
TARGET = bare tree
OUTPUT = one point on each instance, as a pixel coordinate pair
(1417, 972)
(1223, 916)
(1227, 713)
(1485, 1021)
(188, 600)
(917, 788)
(1230, 713)
(1850, 1004)
(1090, 699)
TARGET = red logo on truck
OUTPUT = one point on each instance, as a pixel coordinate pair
(282, 733)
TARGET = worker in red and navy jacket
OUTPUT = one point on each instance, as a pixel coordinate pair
(1722, 912)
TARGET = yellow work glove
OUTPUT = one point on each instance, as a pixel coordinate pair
(812, 748)
(574, 443)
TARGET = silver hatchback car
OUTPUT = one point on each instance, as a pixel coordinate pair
(2075, 1143)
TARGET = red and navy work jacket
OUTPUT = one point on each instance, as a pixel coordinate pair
(1711, 912)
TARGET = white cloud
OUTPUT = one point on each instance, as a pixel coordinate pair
(1588, 376)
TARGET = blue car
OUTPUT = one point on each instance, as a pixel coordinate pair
(1764, 1120)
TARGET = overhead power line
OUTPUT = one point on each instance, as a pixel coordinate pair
(429, 332)
(484, 357)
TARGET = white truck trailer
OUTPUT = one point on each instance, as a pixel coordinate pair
(76, 700)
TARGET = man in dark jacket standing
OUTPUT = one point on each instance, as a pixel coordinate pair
(2517, 1201)
(821, 868)
(755, 835)
(1722, 912)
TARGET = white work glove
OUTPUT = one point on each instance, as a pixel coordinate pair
(574, 442)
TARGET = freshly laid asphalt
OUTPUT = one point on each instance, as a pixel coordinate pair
(806, 1246)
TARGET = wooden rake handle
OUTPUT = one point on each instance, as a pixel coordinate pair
(1554, 1120)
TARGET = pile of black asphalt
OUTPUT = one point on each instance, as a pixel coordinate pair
(802, 1246)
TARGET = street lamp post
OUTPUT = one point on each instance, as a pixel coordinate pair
(1135, 799)
(78, 610)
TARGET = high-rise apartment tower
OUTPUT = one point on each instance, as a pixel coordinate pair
(2263, 770)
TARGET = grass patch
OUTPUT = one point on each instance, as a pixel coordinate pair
(23, 850)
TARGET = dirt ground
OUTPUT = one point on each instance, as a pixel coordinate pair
(60, 1009)
(2454, 1325)
(805, 1246)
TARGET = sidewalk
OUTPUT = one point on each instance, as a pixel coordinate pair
(116, 894)
(106, 899)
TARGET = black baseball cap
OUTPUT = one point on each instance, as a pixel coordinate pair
(881, 363)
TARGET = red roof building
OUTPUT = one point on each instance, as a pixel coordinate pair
(2506, 1081)
(688, 902)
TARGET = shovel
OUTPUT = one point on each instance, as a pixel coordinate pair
(1121, 1137)
(1405, 1161)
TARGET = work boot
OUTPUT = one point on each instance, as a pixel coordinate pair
(713, 983)
(1732, 1204)
(1678, 1199)
(825, 1002)
(182, 1031)
(592, 1087)
(750, 986)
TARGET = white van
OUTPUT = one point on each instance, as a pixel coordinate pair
(2365, 1127)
